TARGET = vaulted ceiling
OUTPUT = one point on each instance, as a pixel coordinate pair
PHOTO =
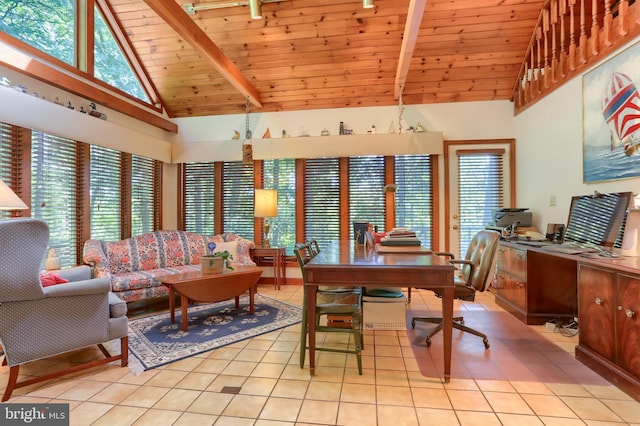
(316, 54)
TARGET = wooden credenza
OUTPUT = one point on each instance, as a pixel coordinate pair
(609, 321)
(536, 286)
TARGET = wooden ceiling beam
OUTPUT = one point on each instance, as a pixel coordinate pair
(411, 30)
(178, 19)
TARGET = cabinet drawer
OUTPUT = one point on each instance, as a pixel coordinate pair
(511, 289)
(512, 261)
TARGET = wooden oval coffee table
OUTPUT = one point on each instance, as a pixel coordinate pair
(211, 288)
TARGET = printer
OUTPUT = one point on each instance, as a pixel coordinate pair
(505, 217)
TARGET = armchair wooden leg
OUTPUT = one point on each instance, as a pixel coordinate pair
(11, 383)
(124, 351)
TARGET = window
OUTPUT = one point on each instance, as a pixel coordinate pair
(322, 199)
(54, 193)
(366, 199)
(145, 194)
(106, 190)
(237, 193)
(199, 204)
(480, 191)
(414, 196)
(281, 175)
(111, 66)
(48, 26)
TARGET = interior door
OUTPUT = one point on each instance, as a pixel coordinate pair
(479, 176)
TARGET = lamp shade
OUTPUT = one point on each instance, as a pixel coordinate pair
(9, 200)
(266, 203)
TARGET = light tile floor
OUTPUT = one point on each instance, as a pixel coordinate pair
(524, 379)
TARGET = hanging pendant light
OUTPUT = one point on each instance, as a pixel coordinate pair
(368, 4)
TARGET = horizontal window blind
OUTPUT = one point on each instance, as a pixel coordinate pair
(145, 191)
(54, 179)
(237, 192)
(9, 160)
(281, 175)
(199, 201)
(366, 199)
(106, 193)
(481, 190)
(322, 199)
(414, 195)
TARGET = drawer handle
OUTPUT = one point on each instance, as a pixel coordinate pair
(630, 313)
(599, 301)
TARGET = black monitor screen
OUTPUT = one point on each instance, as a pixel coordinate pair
(598, 219)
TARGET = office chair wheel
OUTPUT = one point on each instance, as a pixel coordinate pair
(428, 341)
(413, 323)
(486, 343)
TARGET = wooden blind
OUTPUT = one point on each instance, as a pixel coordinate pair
(145, 195)
(237, 192)
(199, 201)
(322, 199)
(54, 182)
(366, 199)
(414, 195)
(481, 190)
(281, 175)
(106, 194)
(9, 160)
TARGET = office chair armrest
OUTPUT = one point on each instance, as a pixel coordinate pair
(461, 263)
(444, 253)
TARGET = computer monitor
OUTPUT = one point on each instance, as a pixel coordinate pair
(598, 219)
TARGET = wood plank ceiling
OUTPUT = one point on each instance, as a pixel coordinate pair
(316, 54)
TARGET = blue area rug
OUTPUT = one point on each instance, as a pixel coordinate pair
(155, 341)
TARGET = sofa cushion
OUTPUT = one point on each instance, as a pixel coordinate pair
(230, 246)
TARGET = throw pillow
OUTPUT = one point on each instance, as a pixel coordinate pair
(230, 246)
(51, 279)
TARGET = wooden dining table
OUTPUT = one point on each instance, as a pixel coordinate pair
(344, 263)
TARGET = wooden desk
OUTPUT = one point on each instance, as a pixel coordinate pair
(279, 256)
(345, 264)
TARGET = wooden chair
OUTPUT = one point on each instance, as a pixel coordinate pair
(330, 301)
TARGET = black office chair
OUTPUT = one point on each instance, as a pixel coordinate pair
(474, 274)
(343, 302)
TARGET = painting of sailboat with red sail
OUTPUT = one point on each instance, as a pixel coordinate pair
(611, 118)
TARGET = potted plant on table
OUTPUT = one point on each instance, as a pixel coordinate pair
(226, 256)
(215, 261)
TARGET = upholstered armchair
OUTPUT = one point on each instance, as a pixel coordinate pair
(37, 322)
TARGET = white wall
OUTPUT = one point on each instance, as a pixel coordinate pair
(549, 156)
(460, 120)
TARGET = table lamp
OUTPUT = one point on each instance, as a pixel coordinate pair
(9, 200)
(266, 206)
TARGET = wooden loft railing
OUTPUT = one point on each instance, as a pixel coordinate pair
(570, 36)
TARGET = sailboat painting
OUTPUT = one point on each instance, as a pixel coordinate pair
(611, 118)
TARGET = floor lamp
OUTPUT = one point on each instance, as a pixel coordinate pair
(266, 206)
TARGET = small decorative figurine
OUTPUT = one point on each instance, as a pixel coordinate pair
(53, 261)
(211, 246)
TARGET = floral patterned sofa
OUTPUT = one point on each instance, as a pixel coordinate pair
(134, 264)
